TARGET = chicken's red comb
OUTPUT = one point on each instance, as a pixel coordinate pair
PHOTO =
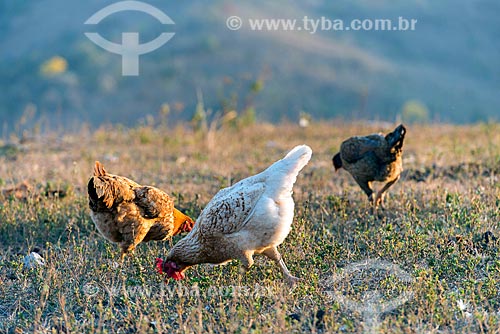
(159, 265)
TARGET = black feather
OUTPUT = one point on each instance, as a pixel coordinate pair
(337, 161)
(92, 195)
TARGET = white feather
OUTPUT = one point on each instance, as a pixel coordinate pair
(267, 216)
(33, 260)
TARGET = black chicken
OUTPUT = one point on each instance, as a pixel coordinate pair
(373, 158)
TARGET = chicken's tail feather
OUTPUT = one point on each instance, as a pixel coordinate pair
(99, 169)
(101, 192)
(285, 171)
(303, 152)
(396, 138)
(296, 159)
(337, 161)
(182, 222)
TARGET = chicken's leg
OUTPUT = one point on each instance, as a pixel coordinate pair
(367, 188)
(274, 255)
(126, 249)
(379, 200)
(247, 260)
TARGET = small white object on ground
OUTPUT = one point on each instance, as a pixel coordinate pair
(33, 260)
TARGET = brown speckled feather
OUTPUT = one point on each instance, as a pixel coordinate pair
(128, 213)
(230, 213)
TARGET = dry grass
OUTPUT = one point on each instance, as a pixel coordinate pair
(434, 228)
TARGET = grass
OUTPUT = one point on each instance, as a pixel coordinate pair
(433, 229)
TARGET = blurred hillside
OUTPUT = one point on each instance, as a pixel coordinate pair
(53, 76)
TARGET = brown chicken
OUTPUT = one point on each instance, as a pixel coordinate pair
(373, 158)
(24, 191)
(127, 213)
(21, 192)
(254, 216)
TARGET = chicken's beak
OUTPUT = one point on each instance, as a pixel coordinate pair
(174, 270)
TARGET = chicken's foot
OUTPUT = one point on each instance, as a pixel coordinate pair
(273, 254)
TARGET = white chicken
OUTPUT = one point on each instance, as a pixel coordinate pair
(252, 216)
